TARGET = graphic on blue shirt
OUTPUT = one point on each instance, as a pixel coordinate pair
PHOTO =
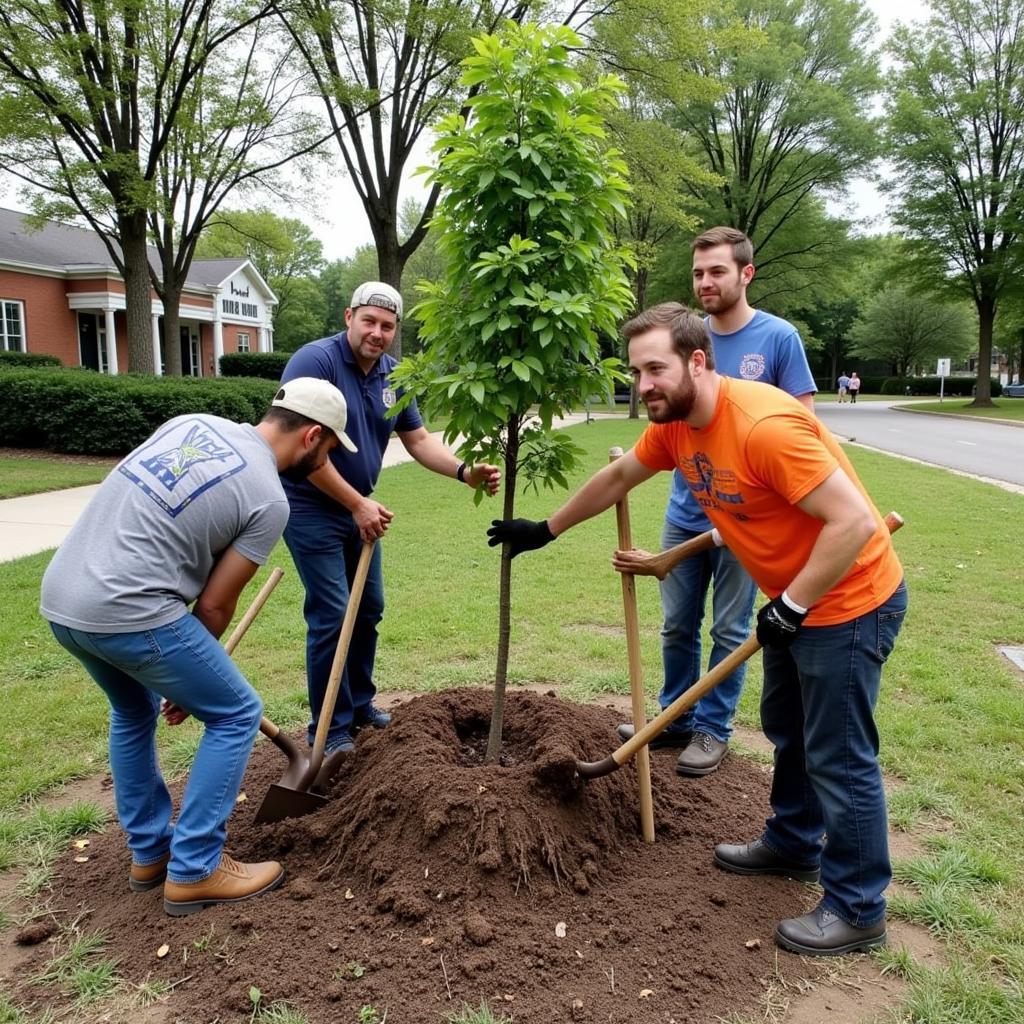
(163, 468)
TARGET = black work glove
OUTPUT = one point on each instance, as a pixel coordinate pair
(777, 624)
(521, 534)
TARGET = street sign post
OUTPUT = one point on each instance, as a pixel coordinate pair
(943, 373)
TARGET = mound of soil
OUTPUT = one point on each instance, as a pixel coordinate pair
(431, 880)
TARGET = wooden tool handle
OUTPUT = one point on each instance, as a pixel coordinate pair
(253, 610)
(636, 674)
(348, 624)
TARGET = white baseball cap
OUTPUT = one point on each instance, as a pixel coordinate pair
(319, 401)
(377, 293)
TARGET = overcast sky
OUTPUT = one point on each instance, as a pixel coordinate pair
(337, 216)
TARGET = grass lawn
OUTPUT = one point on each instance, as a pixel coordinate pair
(1002, 408)
(20, 476)
(951, 714)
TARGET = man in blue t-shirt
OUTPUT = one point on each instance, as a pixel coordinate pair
(752, 345)
(332, 512)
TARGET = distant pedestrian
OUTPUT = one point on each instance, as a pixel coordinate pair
(853, 387)
(844, 386)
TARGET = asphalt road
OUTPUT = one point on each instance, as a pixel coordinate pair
(975, 446)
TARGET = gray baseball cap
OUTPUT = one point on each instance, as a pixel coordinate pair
(377, 293)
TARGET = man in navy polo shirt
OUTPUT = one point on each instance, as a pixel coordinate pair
(332, 512)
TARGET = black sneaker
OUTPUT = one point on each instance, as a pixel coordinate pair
(822, 933)
(666, 738)
(757, 858)
(372, 716)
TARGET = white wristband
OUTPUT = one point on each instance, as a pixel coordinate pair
(792, 605)
(717, 538)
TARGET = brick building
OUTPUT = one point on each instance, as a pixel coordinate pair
(61, 295)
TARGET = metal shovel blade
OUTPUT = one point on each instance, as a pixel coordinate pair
(282, 802)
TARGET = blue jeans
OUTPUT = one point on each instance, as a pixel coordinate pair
(817, 709)
(325, 546)
(683, 596)
(184, 663)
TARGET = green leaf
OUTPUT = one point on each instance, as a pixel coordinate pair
(477, 390)
(486, 177)
(521, 370)
(536, 207)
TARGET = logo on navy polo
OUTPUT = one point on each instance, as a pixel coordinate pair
(389, 397)
(752, 366)
(167, 468)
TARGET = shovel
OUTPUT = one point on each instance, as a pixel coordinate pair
(706, 683)
(284, 743)
(290, 797)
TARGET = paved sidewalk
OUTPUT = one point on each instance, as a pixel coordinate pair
(40, 521)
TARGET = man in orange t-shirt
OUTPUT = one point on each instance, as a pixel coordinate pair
(785, 499)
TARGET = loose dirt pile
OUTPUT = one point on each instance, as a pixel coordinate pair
(431, 880)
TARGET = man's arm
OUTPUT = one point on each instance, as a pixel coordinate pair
(369, 515)
(807, 401)
(430, 452)
(601, 491)
(604, 489)
(216, 604)
(849, 524)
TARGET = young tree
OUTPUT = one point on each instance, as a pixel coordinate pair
(956, 131)
(529, 194)
(909, 330)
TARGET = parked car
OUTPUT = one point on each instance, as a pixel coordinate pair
(1013, 390)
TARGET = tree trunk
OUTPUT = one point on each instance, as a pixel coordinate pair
(504, 596)
(390, 266)
(983, 385)
(138, 303)
(171, 299)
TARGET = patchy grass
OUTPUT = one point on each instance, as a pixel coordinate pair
(483, 1014)
(34, 476)
(951, 714)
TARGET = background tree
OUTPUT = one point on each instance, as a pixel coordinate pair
(238, 124)
(788, 127)
(909, 330)
(955, 132)
(534, 278)
(89, 111)
(386, 70)
(287, 256)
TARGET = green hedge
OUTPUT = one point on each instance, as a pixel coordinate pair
(268, 365)
(74, 410)
(957, 387)
(27, 359)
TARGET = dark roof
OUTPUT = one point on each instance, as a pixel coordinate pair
(214, 272)
(59, 246)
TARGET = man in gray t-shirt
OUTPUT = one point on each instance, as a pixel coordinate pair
(187, 517)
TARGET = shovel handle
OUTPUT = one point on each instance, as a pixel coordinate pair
(355, 597)
(253, 610)
(595, 769)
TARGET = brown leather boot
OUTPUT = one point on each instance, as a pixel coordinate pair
(230, 883)
(143, 877)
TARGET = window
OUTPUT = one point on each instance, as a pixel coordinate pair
(12, 326)
(243, 342)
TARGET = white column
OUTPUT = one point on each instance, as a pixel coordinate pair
(156, 345)
(261, 339)
(218, 344)
(270, 339)
(108, 318)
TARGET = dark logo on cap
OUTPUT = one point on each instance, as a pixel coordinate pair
(279, 395)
